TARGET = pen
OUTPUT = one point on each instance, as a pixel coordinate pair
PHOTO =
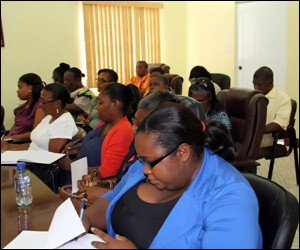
(83, 204)
(82, 209)
(93, 175)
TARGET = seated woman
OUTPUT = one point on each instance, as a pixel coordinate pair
(216, 138)
(58, 73)
(30, 113)
(106, 146)
(80, 95)
(203, 91)
(56, 129)
(51, 134)
(178, 194)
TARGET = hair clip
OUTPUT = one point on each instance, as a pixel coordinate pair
(203, 126)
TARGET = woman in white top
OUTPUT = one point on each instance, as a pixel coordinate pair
(56, 129)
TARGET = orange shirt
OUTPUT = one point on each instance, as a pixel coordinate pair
(141, 82)
(115, 147)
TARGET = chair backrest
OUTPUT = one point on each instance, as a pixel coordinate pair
(293, 113)
(164, 67)
(247, 111)
(2, 118)
(175, 82)
(278, 212)
(221, 79)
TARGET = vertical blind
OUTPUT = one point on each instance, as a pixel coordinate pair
(119, 35)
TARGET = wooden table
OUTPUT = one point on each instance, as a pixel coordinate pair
(43, 207)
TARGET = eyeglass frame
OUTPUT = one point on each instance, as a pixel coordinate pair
(152, 164)
(40, 100)
(102, 80)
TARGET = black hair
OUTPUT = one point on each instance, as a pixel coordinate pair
(199, 71)
(76, 72)
(143, 63)
(37, 85)
(122, 93)
(156, 99)
(205, 86)
(136, 98)
(172, 125)
(59, 92)
(218, 139)
(264, 73)
(113, 76)
(61, 69)
(164, 79)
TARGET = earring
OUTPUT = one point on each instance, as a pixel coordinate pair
(57, 111)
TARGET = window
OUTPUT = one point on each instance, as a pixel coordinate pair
(118, 34)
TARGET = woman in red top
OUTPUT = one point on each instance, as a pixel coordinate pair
(110, 141)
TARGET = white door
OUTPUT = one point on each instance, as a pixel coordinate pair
(262, 32)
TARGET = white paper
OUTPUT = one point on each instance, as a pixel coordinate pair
(78, 169)
(83, 242)
(28, 240)
(39, 156)
(64, 228)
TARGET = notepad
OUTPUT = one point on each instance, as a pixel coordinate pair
(64, 228)
(78, 169)
(39, 156)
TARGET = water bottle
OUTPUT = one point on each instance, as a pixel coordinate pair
(22, 187)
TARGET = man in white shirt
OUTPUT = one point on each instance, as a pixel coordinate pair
(279, 107)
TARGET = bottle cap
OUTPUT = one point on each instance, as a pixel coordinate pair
(21, 166)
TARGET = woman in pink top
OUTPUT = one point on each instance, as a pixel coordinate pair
(29, 114)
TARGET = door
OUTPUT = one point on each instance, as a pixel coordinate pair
(262, 32)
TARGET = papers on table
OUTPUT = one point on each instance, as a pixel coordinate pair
(40, 156)
(65, 226)
(78, 169)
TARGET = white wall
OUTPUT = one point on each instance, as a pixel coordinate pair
(38, 36)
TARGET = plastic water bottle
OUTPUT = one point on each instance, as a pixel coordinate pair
(22, 186)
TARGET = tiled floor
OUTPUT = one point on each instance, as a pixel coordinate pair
(284, 175)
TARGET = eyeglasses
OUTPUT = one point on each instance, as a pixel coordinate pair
(153, 163)
(44, 101)
(102, 80)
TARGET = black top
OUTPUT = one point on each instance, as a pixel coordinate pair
(137, 220)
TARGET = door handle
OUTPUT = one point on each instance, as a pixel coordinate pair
(240, 67)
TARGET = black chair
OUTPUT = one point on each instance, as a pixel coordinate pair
(278, 212)
(278, 150)
(2, 121)
(221, 79)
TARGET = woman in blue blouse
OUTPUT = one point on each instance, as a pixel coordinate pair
(178, 195)
(203, 91)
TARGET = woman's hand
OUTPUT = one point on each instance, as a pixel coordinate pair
(86, 181)
(5, 146)
(73, 150)
(119, 242)
(92, 193)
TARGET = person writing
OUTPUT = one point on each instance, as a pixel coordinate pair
(106, 146)
(216, 138)
(178, 194)
(279, 106)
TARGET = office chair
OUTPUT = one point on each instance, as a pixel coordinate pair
(247, 111)
(164, 67)
(175, 82)
(221, 79)
(278, 150)
(278, 212)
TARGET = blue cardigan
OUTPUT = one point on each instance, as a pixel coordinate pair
(218, 210)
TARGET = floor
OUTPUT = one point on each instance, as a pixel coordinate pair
(284, 175)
